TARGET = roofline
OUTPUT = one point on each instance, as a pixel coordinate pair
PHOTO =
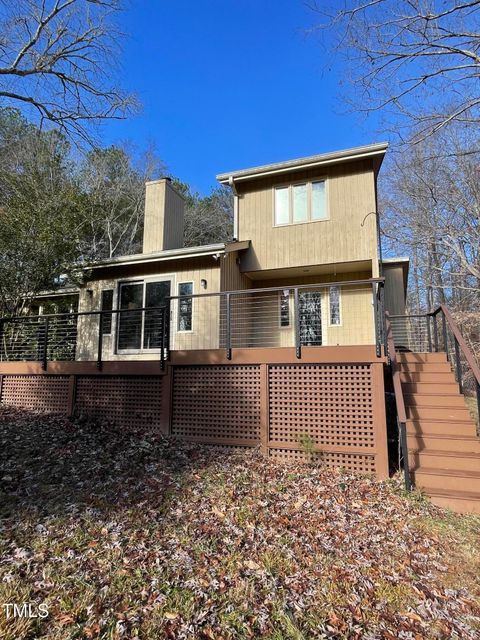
(393, 260)
(160, 256)
(333, 157)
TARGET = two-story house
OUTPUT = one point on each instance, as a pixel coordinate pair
(310, 221)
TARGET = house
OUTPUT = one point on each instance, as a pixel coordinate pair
(285, 335)
(310, 221)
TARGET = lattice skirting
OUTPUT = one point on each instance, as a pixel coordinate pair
(334, 412)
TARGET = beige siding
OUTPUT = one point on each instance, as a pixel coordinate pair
(205, 329)
(232, 279)
(341, 238)
(394, 289)
(356, 312)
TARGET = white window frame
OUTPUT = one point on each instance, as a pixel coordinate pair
(161, 277)
(290, 186)
(289, 325)
(340, 315)
(177, 311)
(112, 289)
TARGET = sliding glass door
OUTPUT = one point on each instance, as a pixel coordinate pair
(138, 330)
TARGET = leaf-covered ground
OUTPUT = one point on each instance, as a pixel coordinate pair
(129, 535)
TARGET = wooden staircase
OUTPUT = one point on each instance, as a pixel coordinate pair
(443, 446)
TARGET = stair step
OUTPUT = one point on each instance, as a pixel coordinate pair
(442, 377)
(426, 367)
(418, 358)
(434, 480)
(422, 387)
(444, 460)
(440, 412)
(439, 427)
(434, 400)
(458, 501)
(452, 443)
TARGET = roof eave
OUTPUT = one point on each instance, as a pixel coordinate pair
(370, 151)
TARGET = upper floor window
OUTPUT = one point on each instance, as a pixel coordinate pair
(302, 202)
(334, 304)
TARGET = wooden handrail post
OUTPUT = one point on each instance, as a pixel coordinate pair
(298, 338)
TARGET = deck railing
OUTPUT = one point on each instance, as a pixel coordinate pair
(336, 313)
(438, 331)
(55, 337)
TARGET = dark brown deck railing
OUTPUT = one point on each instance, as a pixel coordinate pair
(399, 401)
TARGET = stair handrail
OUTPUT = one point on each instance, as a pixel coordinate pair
(460, 344)
(399, 401)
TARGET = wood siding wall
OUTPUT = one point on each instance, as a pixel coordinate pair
(206, 312)
(341, 238)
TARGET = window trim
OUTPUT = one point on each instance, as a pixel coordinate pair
(133, 280)
(290, 185)
(289, 325)
(184, 331)
(340, 315)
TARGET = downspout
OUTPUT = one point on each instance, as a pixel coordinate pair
(231, 183)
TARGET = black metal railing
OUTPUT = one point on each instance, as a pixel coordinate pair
(336, 313)
(85, 335)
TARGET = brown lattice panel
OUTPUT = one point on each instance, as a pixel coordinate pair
(38, 393)
(216, 403)
(351, 462)
(332, 404)
(129, 401)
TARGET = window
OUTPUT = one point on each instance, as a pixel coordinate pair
(303, 202)
(285, 308)
(107, 305)
(185, 306)
(334, 304)
(137, 328)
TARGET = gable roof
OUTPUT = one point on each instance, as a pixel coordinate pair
(334, 157)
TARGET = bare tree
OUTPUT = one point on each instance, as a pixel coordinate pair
(114, 204)
(57, 60)
(418, 59)
(431, 204)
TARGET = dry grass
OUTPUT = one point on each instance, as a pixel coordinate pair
(138, 536)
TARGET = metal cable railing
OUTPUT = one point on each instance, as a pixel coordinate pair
(313, 315)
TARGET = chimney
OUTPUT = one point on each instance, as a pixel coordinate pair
(164, 217)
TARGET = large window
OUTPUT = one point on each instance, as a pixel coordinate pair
(302, 202)
(139, 329)
(185, 306)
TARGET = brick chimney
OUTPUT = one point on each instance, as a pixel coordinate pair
(164, 217)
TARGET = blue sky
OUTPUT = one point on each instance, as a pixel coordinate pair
(227, 85)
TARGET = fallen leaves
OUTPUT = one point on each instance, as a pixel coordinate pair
(133, 535)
